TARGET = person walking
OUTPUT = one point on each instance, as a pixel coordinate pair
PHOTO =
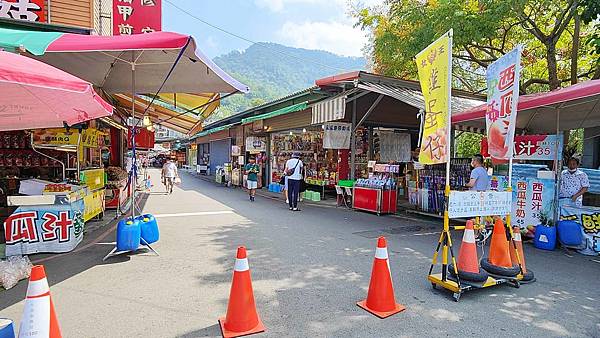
(168, 175)
(480, 180)
(252, 169)
(293, 171)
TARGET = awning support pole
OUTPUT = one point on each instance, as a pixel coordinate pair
(354, 127)
(353, 143)
(133, 173)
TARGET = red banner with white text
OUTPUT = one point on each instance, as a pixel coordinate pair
(136, 16)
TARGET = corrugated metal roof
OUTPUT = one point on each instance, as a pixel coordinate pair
(414, 97)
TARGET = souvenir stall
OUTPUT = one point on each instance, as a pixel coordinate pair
(320, 163)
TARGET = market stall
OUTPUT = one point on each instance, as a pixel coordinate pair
(551, 113)
(55, 210)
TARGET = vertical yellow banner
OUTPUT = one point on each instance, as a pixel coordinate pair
(434, 66)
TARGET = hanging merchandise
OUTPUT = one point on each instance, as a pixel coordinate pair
(337, 135)
(394, 146)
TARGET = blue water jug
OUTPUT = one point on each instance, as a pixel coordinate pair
(569, 233)
(545, 237)
(149, 228)
(128, 234)
(7, 329)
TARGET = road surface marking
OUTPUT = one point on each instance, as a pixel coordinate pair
(200, 213)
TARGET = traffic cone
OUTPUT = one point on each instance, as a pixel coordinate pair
(242, 318)
(499, 248)
(498, 262)
(468, 264)
(39, 318)
(527, 274)
(519, 245)
(467, 255)
(380, 299)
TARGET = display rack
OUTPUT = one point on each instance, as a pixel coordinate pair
(379, 192)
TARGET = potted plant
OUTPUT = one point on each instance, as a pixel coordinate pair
(545, 232)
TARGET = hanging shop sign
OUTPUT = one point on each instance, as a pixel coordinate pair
(503, 94)
(337, 135)
(538, 147)
(255, 145)
(143, 139)
(589, 218)
(479, 203)
(26, 10)
(434, 67)
(532, 202)
(136, 16)
(93, 178)
(64, 137)
(47, 228)
(236, 151)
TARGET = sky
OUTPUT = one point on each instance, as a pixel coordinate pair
(311, 24)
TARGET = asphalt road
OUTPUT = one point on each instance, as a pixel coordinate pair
(309, 269)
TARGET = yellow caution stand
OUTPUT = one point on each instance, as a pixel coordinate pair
(454, 283)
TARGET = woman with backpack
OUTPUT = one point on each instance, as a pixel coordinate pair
(293, 172)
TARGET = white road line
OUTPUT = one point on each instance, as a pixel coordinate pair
(200, 213)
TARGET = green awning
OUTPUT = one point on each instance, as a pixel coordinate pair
(214, 130)
(289, 109)
(34, 41)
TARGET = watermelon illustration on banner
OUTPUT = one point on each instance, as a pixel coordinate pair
(433, 64)
(503, 94)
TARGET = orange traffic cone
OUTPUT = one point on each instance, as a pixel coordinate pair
(527, 274)
(242, 318)
(468, 264)
(380, 299)
(39, 318)
(498, 262)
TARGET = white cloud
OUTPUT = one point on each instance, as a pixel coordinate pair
(334, 36)
(279, 5)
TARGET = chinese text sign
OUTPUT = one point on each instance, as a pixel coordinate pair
(433, 64)
(47, 228)
(478, 203)
(503, 93)
(27, 10)
(136, 16)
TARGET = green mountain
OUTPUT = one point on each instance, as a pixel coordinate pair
(273, 71)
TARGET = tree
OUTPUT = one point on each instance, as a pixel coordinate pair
(468, 144)
(484, 30)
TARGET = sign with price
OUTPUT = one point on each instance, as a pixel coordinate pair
(479, 203)
(537, 147)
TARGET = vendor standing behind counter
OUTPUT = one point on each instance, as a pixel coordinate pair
(573, 183)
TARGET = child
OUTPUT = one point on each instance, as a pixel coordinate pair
(252, 170)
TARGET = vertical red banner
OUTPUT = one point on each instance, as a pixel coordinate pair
(136, 16)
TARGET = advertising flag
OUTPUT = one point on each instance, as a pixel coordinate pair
(434, 67)
(501, 113)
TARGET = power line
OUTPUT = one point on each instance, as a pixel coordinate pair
(250, 41)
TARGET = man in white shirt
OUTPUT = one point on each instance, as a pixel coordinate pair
(573, 183)
(293, 171)
(168, 174)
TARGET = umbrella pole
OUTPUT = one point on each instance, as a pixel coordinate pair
(133, 132)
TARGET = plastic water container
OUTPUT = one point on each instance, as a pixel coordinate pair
(7, 330)
(545, 237)
(149, 228)
(569, 233)
(128, 234)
